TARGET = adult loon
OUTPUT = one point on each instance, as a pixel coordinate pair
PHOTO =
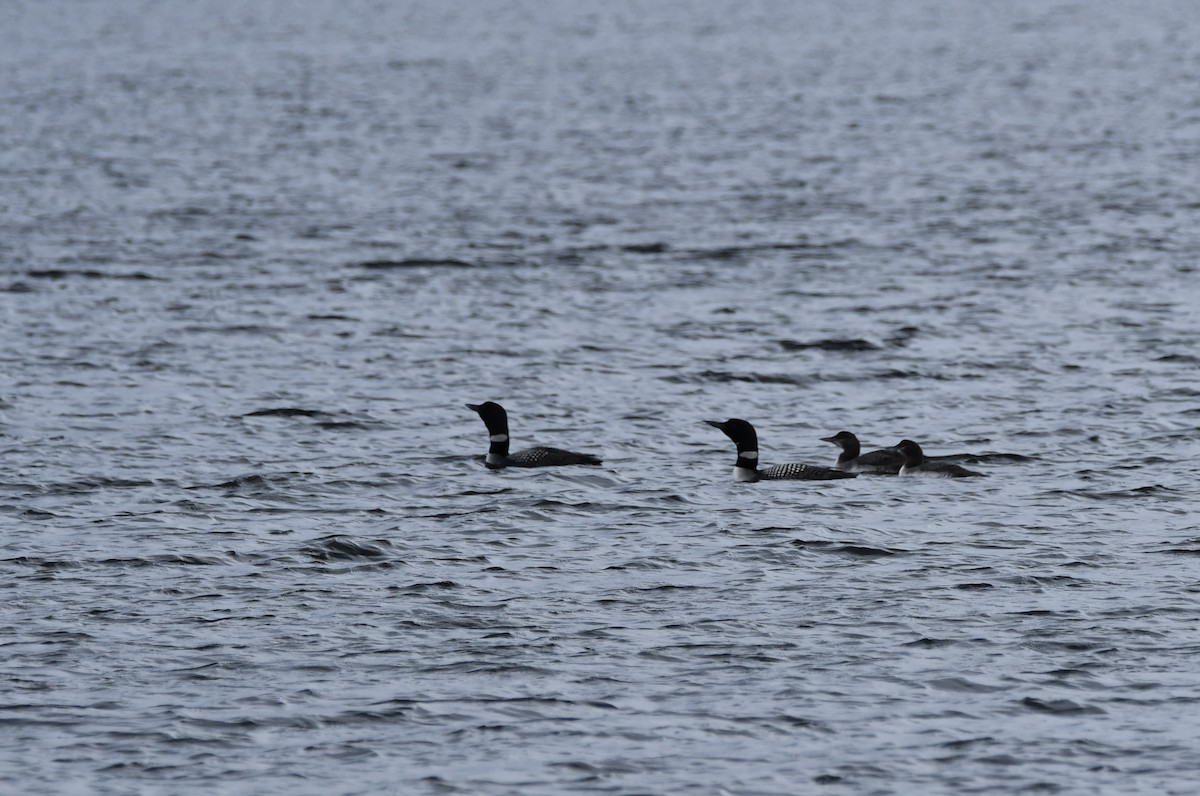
(496, 420)
(915, 463)
(886, 460)
(746, 467)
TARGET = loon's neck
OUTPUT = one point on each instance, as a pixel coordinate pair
(497, 447)
(746, 466)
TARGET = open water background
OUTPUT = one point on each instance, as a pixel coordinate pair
(254, 258)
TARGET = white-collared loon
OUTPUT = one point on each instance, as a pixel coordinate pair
(886, 461)
(746, 467)
(915, 463)
(496, 420)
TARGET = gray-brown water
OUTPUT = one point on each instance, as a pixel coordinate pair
(255, 258)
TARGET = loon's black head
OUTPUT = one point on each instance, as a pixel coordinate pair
(843, 439)
(911, 451)
(848, 443)
(741, 432)
(493, 415)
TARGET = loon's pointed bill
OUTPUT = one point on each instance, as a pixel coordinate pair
(495, 418)
(745, 469)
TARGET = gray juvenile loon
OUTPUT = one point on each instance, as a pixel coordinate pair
(886, 460)
(746, 467)
(496, 420)
(915, 463)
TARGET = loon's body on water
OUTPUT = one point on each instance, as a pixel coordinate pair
(886, 461)
(915, 463)
(746, 466)
(496, 420)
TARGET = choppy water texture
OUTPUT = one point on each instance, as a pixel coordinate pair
(256, 257)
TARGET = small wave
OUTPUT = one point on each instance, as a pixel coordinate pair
(420, 588)
(1069, 673)
(414, 262)
(397, 709)
(831, 344)
(642, 563)
(1136, 493)
(963, 743)
(646, 248)
(1042, 580)
(40, 563)
(843, 549)
(396, 331)
(251, 483)
(1191, 548)
(1060, 707)
(187, 211)
(724, 377)
(168, 559)
(322, 419)
(287, 411)
(798, 249)
(964, 685)
(193, 506)
(235, 328)
(586, 506)
(344, 548)
(95, 483)
(929, 643)
(64, 273)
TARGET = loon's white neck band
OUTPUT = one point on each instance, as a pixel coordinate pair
(498, 438)
(752, 455)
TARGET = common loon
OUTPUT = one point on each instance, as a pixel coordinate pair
(496, 420)
(915, 463)
(886, 460)
(746, 467)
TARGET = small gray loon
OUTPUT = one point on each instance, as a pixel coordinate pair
(915, 463)
(746, 466)
(886, 461)
(496, 420)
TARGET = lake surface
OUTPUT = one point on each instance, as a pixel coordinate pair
(255, 258)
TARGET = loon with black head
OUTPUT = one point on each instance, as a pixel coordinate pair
(496, 420)
(915, 463)
(746, 466)
(886, 461)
